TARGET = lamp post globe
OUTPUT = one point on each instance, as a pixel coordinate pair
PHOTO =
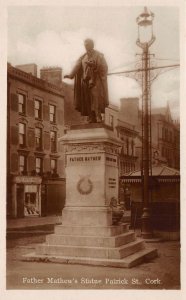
(145, 28)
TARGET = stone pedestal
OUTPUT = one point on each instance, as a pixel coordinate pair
(91, 176)
(87, 235)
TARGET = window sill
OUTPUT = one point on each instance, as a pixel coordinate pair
(39, 153)
(38, 119)
(23, 150)
(24, 173)
(39, 149)
(54, 155)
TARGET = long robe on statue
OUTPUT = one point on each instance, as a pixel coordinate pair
(90, 87)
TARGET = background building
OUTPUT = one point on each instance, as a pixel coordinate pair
(165, 139)
(124, 121)
(165, 149)
(166, 133)
(39, 111)
(54, 76)
(35, 161)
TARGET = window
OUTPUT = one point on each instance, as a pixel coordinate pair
(38, 138)
(127, 146)
(166, 134)
(175, 139)
(171, 136)
(132, 147)
(53, 141)
(111, 120)
(22, 103)
(52, 110)
(163, 133)
(127, 167)
(38, 109)
(39, 165)
(53, 166)
(22, 164)
(22, 134)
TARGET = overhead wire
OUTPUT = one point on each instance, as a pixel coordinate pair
(162, 72)
(126, 65)
(166, 59)
(137, 61)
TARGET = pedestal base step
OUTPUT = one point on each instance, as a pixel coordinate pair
(127, 262)
(91, 230)
(95, 241)
(92, 252)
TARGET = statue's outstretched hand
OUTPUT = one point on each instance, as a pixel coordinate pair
(68, 76)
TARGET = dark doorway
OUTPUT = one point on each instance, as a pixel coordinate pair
(20, 200)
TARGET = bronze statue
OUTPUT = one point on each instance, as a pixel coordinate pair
(90, 87)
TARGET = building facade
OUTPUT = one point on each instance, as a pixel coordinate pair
(123, 120)
(166, 133)
(165, 137)
(35, 121)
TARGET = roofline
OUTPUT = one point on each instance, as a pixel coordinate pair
(34, 81)
(153, 176)
(113, 107)
(132, 131)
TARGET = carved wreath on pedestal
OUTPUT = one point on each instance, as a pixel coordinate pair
(84, 185)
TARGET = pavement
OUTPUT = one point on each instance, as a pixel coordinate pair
(42, 223)
(21, 227)
(29, 226)
(32, 222)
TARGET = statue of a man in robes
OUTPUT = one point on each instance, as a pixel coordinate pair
(90, 86)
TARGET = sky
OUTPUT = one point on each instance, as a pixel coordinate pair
(54, 35)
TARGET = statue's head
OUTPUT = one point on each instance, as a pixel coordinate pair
(89, 44)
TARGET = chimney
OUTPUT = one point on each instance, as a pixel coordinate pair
(52, 75)
(28, 68)
(129, 111)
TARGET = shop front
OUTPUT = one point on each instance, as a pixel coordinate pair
(164, 201)
(26, 196)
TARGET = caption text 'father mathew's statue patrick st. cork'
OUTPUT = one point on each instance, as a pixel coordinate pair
(90, 87)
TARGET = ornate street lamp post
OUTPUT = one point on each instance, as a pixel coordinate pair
(144, 41)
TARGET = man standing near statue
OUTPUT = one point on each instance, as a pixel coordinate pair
(90, 86)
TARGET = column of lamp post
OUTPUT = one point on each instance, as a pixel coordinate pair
(145, 20)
